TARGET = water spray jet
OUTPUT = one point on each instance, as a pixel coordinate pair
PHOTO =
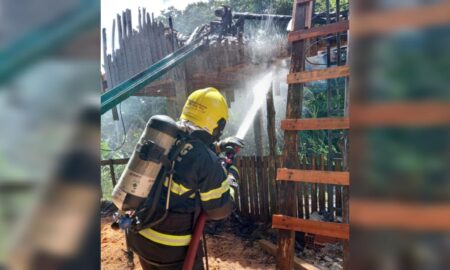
(259, 92)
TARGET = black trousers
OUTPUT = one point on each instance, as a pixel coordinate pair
(154, 256)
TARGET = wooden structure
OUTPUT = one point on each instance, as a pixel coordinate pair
(412, 214)
(256, 196)
(224, 64)
(291, 172)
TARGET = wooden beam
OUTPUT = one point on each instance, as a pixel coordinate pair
(315, 123)
(384, 22)
(162, 88)
(299, 264)
(337, 230)
(317, 75)
(114, 161)
(313, 176)
(409, 216)
(429, 113)
(287, 190)
(324, 30)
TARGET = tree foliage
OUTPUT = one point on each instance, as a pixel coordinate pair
(199, 13)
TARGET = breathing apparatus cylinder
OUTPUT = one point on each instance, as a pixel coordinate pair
(145, 163)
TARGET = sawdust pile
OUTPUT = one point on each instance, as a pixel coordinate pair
(225, 251)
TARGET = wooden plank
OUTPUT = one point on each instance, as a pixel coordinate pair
(338, 168)
(251, 186)
(318, 31)
(317, 75)
(237, 191)
(243, 186)
(287, 194)
(331, 229)
(260, 186)
(306, 191)
(410, 216)
(114, 161)
(425, 113)
(265, 188)
(384, 22)
(313, 176)
(112, 172)
(314, 186)
(254, 188)
(322, 186)
(272, 185)
(299, 264)
(315, 123)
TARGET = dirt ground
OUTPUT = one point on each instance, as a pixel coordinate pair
(225, 251)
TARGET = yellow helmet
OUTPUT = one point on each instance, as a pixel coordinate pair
(205, 108)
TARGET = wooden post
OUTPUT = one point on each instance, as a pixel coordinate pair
(112, 172)
(286, 239)
(272, 138)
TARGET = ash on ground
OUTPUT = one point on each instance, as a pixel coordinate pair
(322, 254)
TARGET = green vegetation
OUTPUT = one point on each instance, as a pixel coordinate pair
(199, 13)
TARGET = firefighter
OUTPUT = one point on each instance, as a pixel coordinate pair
(199, 184)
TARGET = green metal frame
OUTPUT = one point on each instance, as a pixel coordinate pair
(127, 88)
(43, 39)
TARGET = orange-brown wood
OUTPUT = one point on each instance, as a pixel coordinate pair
(299, 264)
(318, 31)
(400, 215)
(317, 75)
(315, 123)
(337, 230)
(400, 114)
(310, 176)
(383, 22)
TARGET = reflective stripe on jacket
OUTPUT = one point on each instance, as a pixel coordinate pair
(166, 239)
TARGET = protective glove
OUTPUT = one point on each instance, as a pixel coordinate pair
(233, 142)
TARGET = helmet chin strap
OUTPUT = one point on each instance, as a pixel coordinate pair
(217, 132)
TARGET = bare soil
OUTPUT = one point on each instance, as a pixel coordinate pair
(226, 251)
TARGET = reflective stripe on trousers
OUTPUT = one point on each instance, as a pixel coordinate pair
(166, 239)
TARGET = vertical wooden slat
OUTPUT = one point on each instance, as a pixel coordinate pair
(338, 167)
(265, 188)
(242, 194)
(112, 172)
(272, 184)
(306, 191)
(244, 186)
(271, 134)
(314, 186)
(259, 195)
(299, 188)
(251, 187)
(237, 193)
(254, 188)
(322, 187)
